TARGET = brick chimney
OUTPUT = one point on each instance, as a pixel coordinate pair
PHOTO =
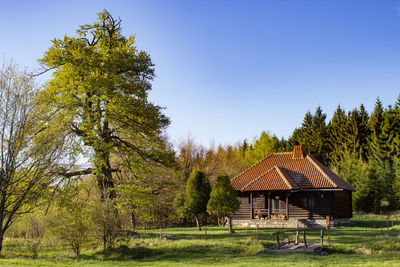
(298, 152)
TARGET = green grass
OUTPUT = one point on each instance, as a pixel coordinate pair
(221, 248)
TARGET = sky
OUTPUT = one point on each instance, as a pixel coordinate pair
(228, 70)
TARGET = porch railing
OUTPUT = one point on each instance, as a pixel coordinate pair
(264, 212)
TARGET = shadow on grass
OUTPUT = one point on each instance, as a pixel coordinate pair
(124, 252)
(171, 251)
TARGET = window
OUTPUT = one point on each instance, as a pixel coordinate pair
(275, 204)
(311, 202)
(308, 201)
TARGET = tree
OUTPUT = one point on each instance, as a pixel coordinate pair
(363, 132)
(348, 134)
(337, 135)
(100, 86)
(366, 181)
(302, 136)
(223, 199)
(72, 222)
(312, 135)
(319, 147)
(377, 142)
(263, 146)
(198, 190)
(29, 151)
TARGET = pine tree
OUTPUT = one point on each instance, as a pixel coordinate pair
(303, 135)
(337, 136)
(319, 148)
(363, 132)
(377, 143)
(384, 126)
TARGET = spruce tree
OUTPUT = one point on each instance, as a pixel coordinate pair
(303, 135)
(363, 132)
(337, 136)
(376, 141)
(319, 148)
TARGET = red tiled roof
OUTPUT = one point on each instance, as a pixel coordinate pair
(288, 171)
(274, 178)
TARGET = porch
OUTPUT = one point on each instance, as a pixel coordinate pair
(263, 205)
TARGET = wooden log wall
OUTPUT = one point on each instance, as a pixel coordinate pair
(244, 210)
(343, 205)
(323, 205)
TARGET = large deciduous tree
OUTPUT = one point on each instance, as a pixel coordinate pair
(100, 86)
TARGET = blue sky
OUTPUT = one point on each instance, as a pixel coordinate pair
(227, 70)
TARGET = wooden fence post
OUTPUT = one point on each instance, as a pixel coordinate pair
(297, 237)
(387, 228)
(329, 237)
(322, 237)
(366, 235)
(277, 241)
(257, 232)
(360, 240)
(305, 240)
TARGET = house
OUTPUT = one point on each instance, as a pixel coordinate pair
(291, 189)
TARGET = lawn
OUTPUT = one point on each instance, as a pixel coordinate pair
(349, 247)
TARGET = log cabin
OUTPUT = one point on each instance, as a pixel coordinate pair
(289, 190)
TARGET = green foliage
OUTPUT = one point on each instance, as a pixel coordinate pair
(107, 222)
(197, 194)
(72, 222)
(312, 135)
(29, 150)
(223, 198)
(348, 134)
(262, 147)
(100, 89)
(377, 141)
(138, 200)
(364, 178)
(179, 204)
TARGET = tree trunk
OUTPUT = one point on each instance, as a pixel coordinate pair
(222, 221)
(230, 225)
(225, 221)
(104, 177)
(133, 221)
(1, 242)
(197, 222)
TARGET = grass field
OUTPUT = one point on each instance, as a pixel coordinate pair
(221, 248)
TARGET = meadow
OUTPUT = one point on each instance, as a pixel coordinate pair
(370, 240)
